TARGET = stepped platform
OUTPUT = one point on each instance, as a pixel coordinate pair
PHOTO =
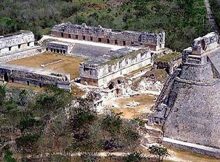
(192, 105)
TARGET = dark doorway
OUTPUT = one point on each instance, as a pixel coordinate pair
(12, 80)
(6, 77)
(124, 43)
(28, 82)
(61, 34)
(100, 40)
(108, 41)
(117, 91)
(111, 86)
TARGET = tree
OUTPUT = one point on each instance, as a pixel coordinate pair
(133, 157)
(10, 105)
(27, 142)
(8, 156)
(22, 98)
(2, 94)
(82, 119)
(159, 152)
(54, 98)
(112, 123)
(28, 122)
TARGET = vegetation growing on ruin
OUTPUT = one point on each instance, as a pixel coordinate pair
(131, 55)
(182, 20)
(169, 57)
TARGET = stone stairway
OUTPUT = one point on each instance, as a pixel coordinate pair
(166, 88)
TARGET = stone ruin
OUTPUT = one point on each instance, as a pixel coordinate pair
(29, 76)
(126, 51)
(155, 41)
(19, 45)
(16, 42)
(99, 72)
(188, 108)
(59, 47)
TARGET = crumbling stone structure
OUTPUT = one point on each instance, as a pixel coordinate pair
(115, 64)
(15, 42)
(18, 45)
(39, 77)
(155, 41)
(189, 105)
(59, 47)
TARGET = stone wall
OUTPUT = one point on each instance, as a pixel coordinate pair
(201, 149)
(21, 54)
(12, 73)
(155, 41)
(191, 105)
(59, 47)
(197, 54)
(16, 42)
(102, 74)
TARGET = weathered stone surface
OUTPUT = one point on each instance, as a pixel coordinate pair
(115, 64)
(155, 41)
(59, 47)
(16, 42)
(39, 77)
(192, 111)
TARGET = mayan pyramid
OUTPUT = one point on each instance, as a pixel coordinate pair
(189, 106)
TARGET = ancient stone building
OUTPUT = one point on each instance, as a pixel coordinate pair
(188, 108)
(100, 72)
(17, 45)
(16, 42)
(59, 47)
(155, 41)
(39, 77)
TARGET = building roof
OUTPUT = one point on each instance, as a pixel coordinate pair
(14, 39)
(59, 43)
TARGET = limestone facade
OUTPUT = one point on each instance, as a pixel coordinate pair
(196, 55)
(20, 41)
(59, 47)
(19, 45)
(188, 109)
(155, 41)
(102, 72)
(39, 77)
